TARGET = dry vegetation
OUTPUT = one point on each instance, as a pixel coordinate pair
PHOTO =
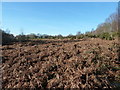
(90, 63)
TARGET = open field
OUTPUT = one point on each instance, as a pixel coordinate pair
(90, 63)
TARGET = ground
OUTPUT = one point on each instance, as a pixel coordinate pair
(84, 63)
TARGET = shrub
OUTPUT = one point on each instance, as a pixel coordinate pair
(106, 36)
(80, 36)
(70, 36)
(7, 38)
(30, 36)
(21, 38)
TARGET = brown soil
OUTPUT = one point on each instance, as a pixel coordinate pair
(90, 63)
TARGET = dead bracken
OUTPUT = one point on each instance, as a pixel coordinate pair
(92, 63)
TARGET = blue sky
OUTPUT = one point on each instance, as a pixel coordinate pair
(54, 18)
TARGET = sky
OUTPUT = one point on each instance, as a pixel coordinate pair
(60, 0)
(54, 18)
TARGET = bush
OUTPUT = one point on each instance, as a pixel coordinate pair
(106, 36)
(21, 38)
(7, 38)
(70, 36)
(30, 36)
(80, 36)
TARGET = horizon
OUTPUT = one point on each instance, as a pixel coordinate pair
(54, 18)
